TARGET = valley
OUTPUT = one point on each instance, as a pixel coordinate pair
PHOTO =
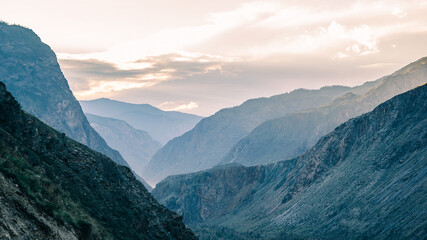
(314, 120)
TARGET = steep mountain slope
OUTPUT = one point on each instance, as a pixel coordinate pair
(366, 179)
(161, 125)
(31, 72)
(207, 143)
(19, 217)
(289, 136)
(55, 188)
(136, 146)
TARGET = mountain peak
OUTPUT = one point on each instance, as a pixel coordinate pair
(30, 70)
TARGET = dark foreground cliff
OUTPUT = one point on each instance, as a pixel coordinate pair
(55, 188)
(364, 180)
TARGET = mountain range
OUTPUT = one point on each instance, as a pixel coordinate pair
(161, 125)
(306, 115)
(289, 136)
(366, 179)
(333, 163)
(136, 146)
(53, 187)
(213, 137)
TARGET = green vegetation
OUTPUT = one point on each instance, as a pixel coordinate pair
(48, 196)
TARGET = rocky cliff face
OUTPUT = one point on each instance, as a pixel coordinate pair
(31, 72)
(210, 140)
(290, 136)
(161, 125)
(136, 146)
(55, 188)
(214, 192)
(366, 179)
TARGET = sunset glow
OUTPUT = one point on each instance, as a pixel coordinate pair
(219, 54)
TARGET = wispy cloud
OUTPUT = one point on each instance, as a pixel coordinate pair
(97, 87)
(377, 65)
(92, 76)
(174, 106)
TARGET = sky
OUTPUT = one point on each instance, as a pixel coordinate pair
(201, 56)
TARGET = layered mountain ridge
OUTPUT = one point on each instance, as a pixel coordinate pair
(210, 140)
(289, 136)
(365, 179)
(135, 145)
(161, 125)
(56, 188)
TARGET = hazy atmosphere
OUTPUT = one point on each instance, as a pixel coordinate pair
(198, 56)
(213, 120)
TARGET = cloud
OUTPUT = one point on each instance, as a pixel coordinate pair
(254, 49)
(173, 106)
(97, 87)
(267, 27)
(377, 65)
(90, 77)
(309, 27)
(263, 28)
(396, 11)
